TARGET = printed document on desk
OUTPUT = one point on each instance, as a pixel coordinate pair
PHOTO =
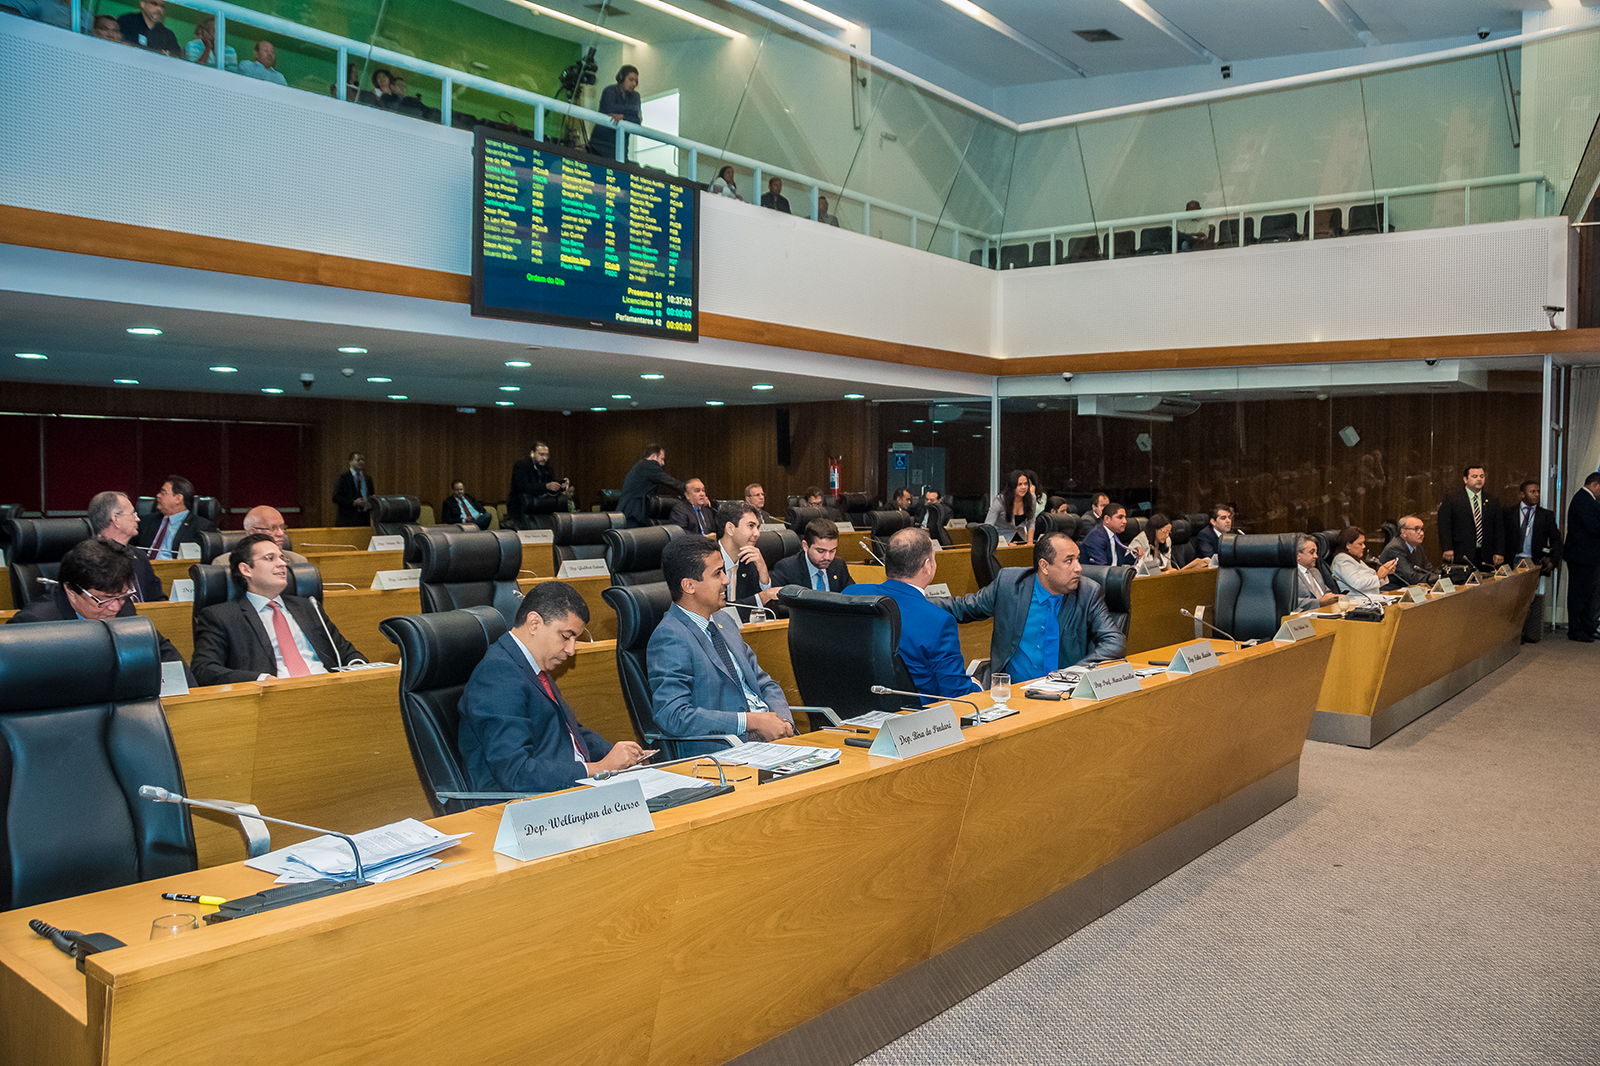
(654, 782)
(387, 852)
(772, 756)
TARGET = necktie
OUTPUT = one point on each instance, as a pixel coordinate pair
(472, 513)
(161, 538)
(577, 741)
(822, 581)
(723, 651)
(1477, 519)
(286, 648)
(361, 485)
(1527, 520)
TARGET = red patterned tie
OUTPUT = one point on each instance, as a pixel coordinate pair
(161, 538)
(286, 648)
(577, 741)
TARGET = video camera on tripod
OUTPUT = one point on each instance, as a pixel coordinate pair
(581, 72)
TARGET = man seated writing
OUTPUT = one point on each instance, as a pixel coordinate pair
(517, 733)
(929, 644)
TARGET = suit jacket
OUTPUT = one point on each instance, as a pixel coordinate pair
(1411, 565)
(1087, 632)
(145, 575)
(1583, 529)
(150, 525)
(529, 478)
(930, 645)
(692, 693)
(1309, 593)
(57, 608)
(451, 513)
(694, 519)
(641, 483)
(345, 496)
(231, 644)
(512, 737)
(1546, 537)
(1204, 542)
(791, 570)
(935, 520)
(746, 586)
(1100, 549)
(1456, 533)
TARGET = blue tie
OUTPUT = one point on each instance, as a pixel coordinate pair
(822, 581)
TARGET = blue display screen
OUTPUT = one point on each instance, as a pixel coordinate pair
(565, 238)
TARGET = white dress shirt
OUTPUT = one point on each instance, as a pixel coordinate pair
(307, 653)
(754, 702)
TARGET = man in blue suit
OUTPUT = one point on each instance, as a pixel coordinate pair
(517, 734)
(1208, 536)
(929, 644)
(1102, 545)
(704, 679)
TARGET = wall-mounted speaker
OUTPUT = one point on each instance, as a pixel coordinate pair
(780, 416)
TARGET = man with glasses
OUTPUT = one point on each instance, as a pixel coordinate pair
(96, 582)
(268, 520)
(111, 515)
(1411, 562)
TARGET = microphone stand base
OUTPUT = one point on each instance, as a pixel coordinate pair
(989, 714)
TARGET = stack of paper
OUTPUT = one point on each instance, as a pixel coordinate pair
(870, 720)
(779, 758)
(655, 782)
(387, 853)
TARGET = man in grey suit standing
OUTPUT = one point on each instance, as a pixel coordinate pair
(704, 679)
(1048, 618)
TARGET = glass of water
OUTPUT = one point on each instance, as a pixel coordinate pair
(999, 688)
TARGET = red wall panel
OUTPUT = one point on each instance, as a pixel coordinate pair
(83, 456)
(264, 466)
(19, 470)
(188, 449)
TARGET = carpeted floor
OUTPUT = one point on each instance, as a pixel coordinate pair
(1433, 900)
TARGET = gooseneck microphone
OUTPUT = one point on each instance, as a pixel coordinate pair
(161, 795)
(880, 690)
(866, 546)
(1225, 635)
(337, 658)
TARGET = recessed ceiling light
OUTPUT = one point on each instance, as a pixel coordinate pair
(144, 331)
(124, 381)
(819, 13)
(854, 396)
(652, 377)
(224, 370)
(398, 396)
(977, 434)
(713, 403)
(510, 388)
(520, 364)
(621, 396)
(353, 351)
(918, 421)
(569, 20)
(504, 403)
(905, 431)
(762, 388)
(680, 13)
(31, 355)
(273, 392)
(379, 381)
(597, 408)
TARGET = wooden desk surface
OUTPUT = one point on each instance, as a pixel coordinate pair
(1153, 618)
(5, 589)
(642, 955)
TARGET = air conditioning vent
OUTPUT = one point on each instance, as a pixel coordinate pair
(1097, 36)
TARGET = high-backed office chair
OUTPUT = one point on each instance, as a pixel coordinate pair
(1083, 249)
(1182, 554)
(1122, 246)
(1255, 584)
(1228, 232)
(1278, 229)
(1325, 559)
(1387, 532)
(1041, 253)
(1155, 240)
(582, 535)
(799, 517)
(1366, 218)
(438, 653)
(634, 555)
(415, 531)
(81, 729)
(1136, 525)
(985, 564)
(213, 585)
(661, 508)
(391, 514)
(8, 512)
(776, 546)
(885, 524)
(1056, 523)
(1328, 222)
(1117, 583)
(854, 505)
(1197, 520)
(37, 545)
(224, 541)
(1085, 523)
(210, 508)
(840, 646)
(477, 569)
(1013, 256)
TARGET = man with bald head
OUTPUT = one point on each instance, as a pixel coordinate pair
(268, 520)
(111, 515)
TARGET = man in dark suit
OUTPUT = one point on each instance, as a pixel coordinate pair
(704, 679)
(460, 509)
(111, 515)
(756, 496)
(1048, 618)
(1470, 525)
(928, 513)
(173, 522)
(929, 643)
(647, 475)
(1103, 545)
(1583, 561)
(352, 493)
(1411, 562)
(535, 489)
(264, 633)
(517, 733)
(1206, 540)
(694, 512)
(749, 582)
(1531, 531)
(96, 581)
(817, 565)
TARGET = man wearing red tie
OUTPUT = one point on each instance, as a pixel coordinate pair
(517, 733)
(264, 633)
(173, 522)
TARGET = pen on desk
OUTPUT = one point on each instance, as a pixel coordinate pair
(183, 897)
(843, 729)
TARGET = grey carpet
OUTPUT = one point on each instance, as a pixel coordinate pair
(1433, 900)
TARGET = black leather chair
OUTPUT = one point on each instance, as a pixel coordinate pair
(1117, 582)
(1041, 253)
(1277, 229)
(800, 517)
(582, 535)
(660, 508)
(1197, 520)
(81, 728)
(854, 506)
(1366, 218)
(634, 555)
(885, 524)
(414, 533)
(37, 545)
(1083, 249)
(209, 508)
(1136, 525)
(1228, 232)
(1013, 256)
(1155, 240)
(212, 584)
(840, 646)
(1056, 523)
(1329, 222)
(1182, 553)
(220, 543)
(985, 564)
(391, 514)
(1325, 559)
(776, 546)
(8, 512)
(1084, 524)
(438, 653)
(477, 569)
(1255, 583)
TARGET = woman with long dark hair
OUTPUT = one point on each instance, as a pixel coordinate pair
(1013, 511)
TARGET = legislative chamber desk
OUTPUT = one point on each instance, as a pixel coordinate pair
(1385, 675)
(807, 920)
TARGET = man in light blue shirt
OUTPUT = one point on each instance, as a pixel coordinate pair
(817, 565)
(173, 522)
(263, 66)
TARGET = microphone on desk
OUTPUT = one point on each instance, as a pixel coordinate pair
(881, 690)
(866, 546)
(247, 813)
(1226, 636)
(339, 585)
(314, 544)
(331, 642)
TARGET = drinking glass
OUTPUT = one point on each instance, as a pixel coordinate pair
(999, 688)
(170, 925)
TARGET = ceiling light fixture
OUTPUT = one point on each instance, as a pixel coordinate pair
(854, 396)
(762, 388)
(680, 13)
(519, 364)
(379, 381)
(144, 331)
(621, 396)
(597, 408)
(31, 355)
(978, 14)
(1172, 30)
(398, 396)
(353, 351)
(818, 13)
(124, 381)
(570, 21)
(273, 392)
(504, 403)
(510, 388)
(713, 403)
(224, 370)
(652, 377)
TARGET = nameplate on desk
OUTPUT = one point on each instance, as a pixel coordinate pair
(938, 547)
(1417, 594)
(536, 536)
(845, 527)
(1294, 629)
(182, 590)
(941, 590)
(917, 733)
(1117, 679)
(1504, 571)
(773, 527)
(1474, 578)
(387, 580)
(1444, 584)
(1192, 658)
(956, 523)
(189, 551)
(549, 825)
(387, 544)
(173, 680)
(584, 568)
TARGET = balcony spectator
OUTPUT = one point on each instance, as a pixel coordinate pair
(409, 105)
(49, 12)
(147, 28)
(723, 185)
(106, 28)
(620, 103)
(822, 213)
(203, 49)
(773, 198)
(1192, 242)
(264, 66)
(380, 89)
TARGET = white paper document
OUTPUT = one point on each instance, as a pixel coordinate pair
(387, 852)
(870, 720)
(654, 782)
(771, 756)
